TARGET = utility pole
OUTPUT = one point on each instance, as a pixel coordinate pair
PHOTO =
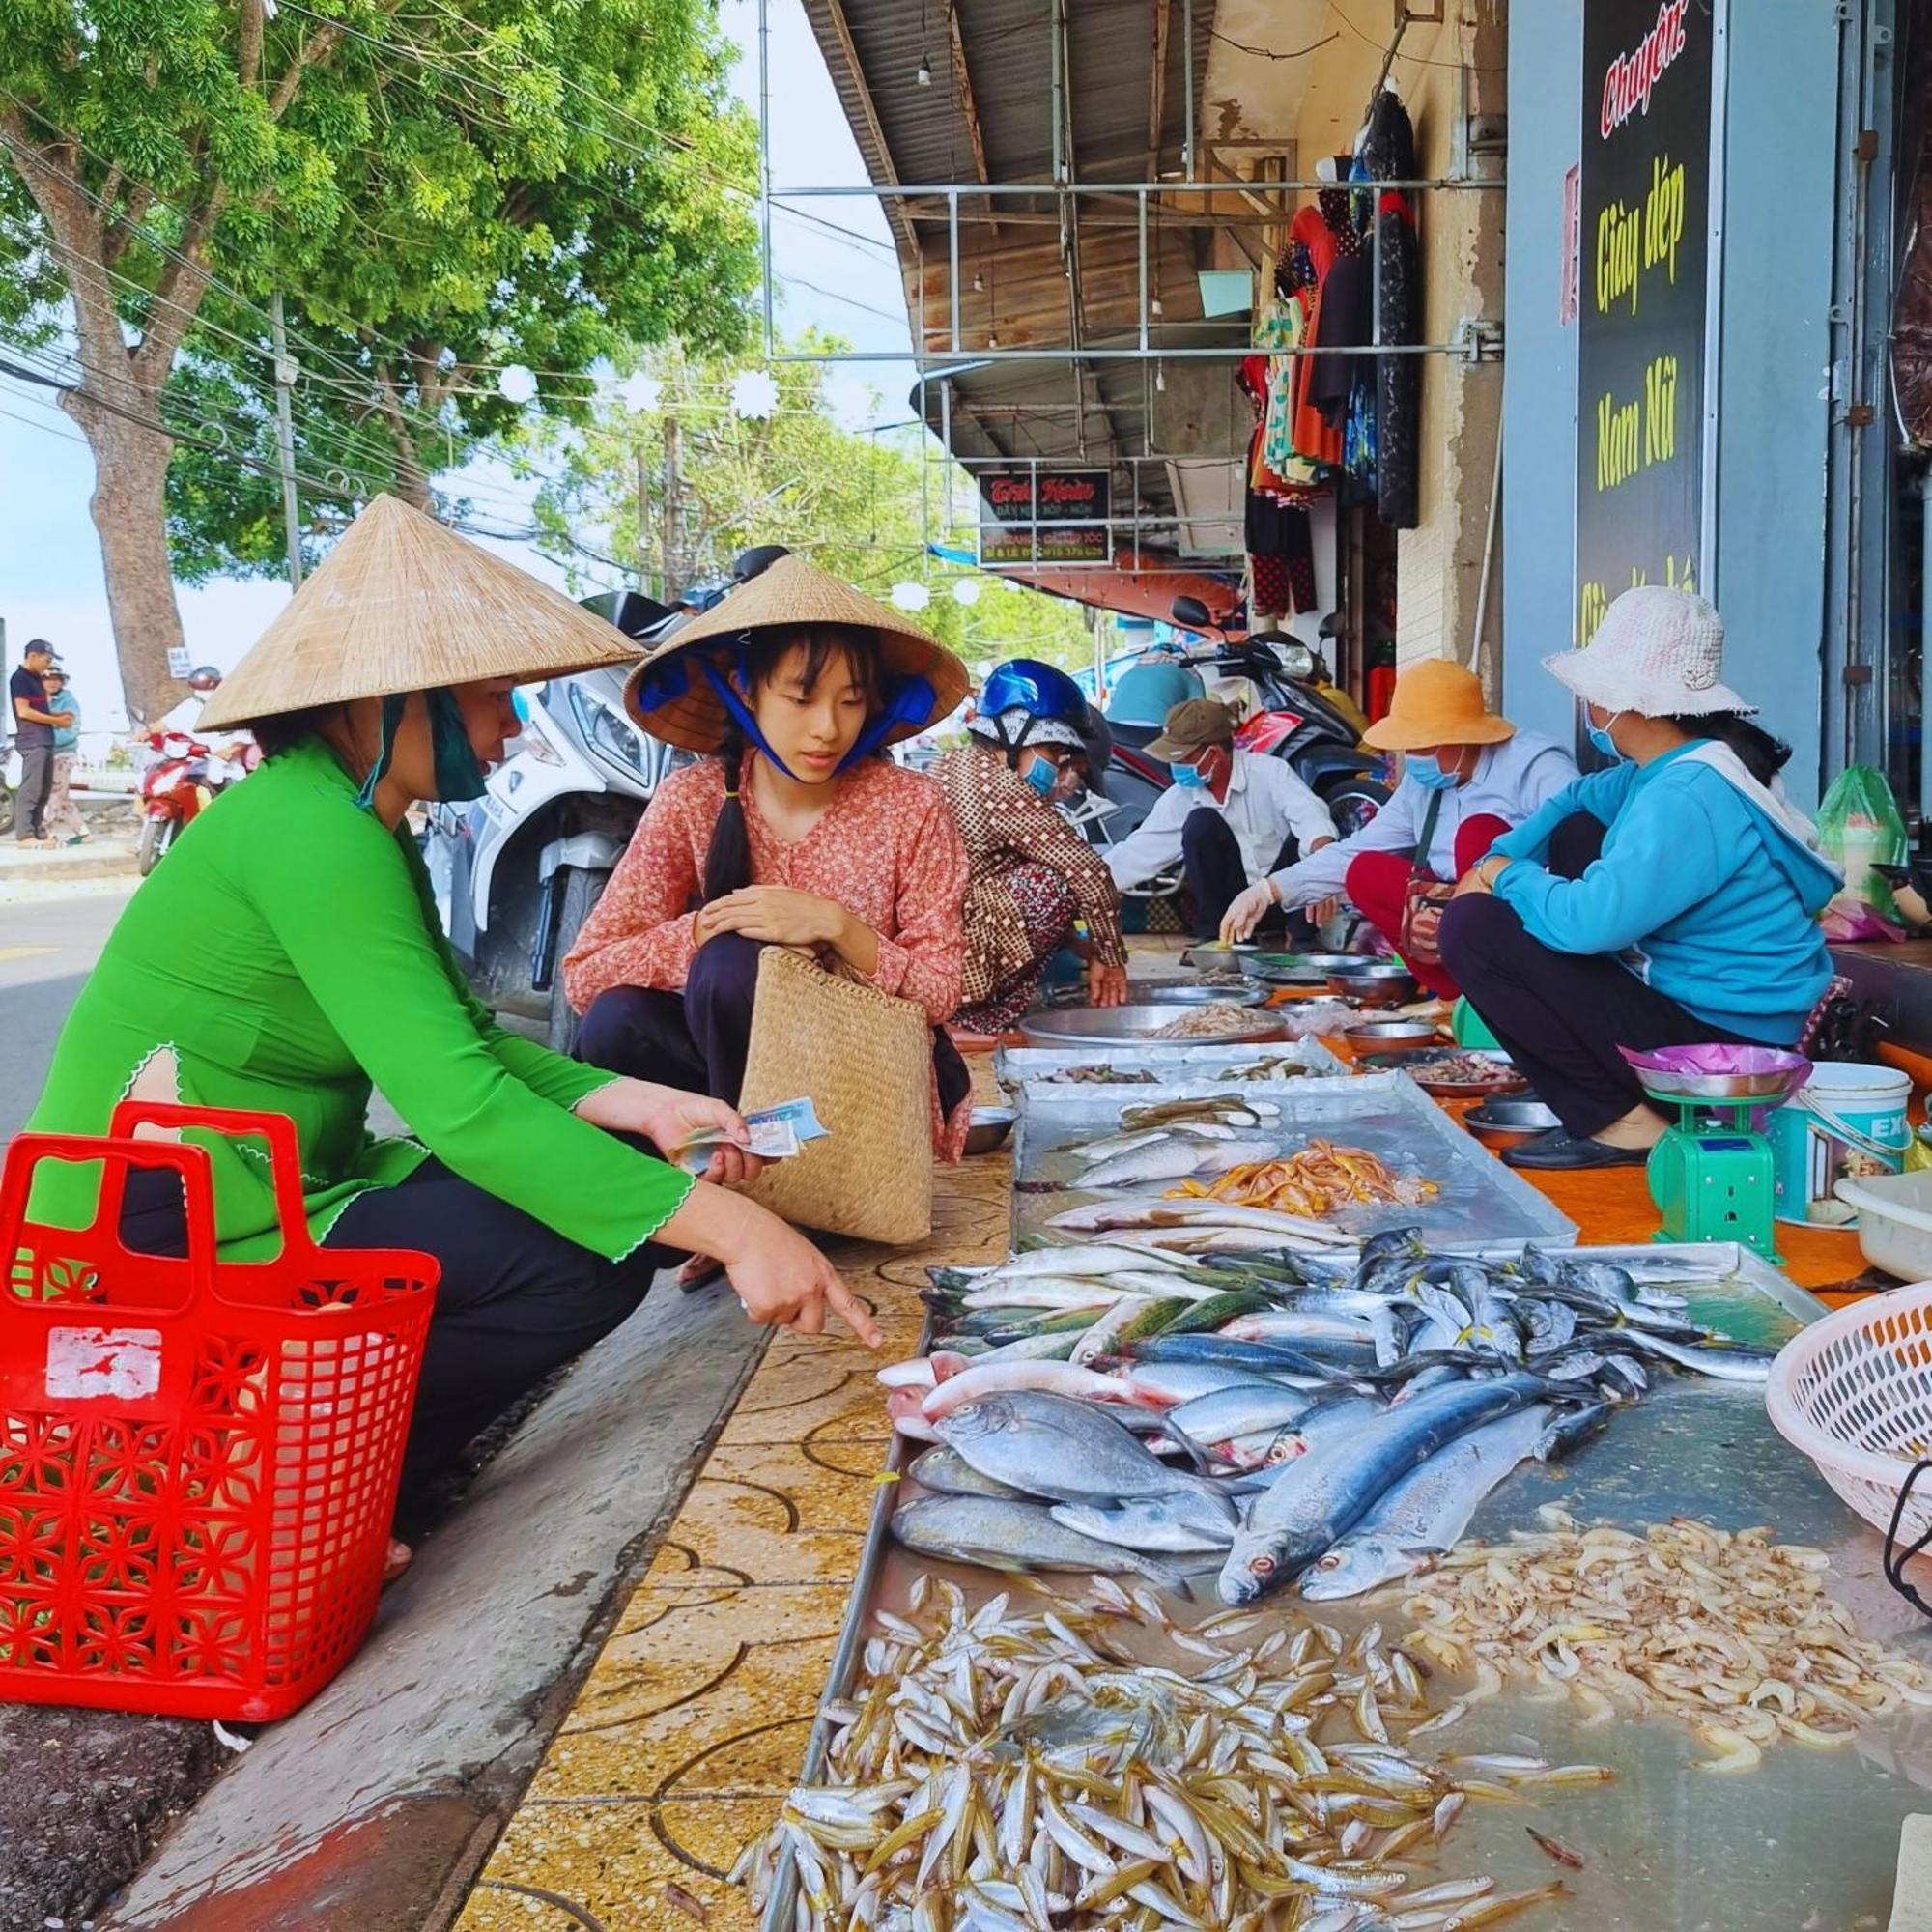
(644, 523)
(673, 508)
(286, 372)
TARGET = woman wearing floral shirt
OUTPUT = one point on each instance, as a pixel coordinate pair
(798, 831)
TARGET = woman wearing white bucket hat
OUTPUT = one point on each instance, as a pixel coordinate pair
(1671, 898)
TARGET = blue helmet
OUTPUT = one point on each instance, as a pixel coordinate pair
(1148, 691)
(1025, 702)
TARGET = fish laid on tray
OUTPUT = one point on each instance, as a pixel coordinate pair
(1333, 1417)
(1006, 1768)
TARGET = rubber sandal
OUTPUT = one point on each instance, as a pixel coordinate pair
(1564, 1154)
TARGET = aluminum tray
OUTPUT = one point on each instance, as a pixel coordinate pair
(1482, 1200)
(1176, 1061)
(1129, 1026)
(1809, 1840)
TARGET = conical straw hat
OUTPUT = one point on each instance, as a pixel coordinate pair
(404, 603)
(789, 595)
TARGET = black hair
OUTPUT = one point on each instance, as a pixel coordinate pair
(727, 861)
(287, 730)
(1763, 756)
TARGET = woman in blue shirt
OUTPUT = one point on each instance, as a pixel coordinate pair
(1670, 898)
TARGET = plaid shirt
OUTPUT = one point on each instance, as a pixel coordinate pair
(1006, 823)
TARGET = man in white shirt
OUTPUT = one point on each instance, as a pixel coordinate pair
(1468, 778)
(1230, 818)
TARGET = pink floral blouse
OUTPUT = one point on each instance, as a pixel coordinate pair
(887, 851)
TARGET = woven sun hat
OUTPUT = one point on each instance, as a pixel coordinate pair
(404, 603)
(1437, 702)
(671, 696)
(1657, 653)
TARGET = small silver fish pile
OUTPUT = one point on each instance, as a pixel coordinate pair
(1732, 1633)
(997, 1770)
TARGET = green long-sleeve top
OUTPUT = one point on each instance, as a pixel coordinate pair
(288, 956)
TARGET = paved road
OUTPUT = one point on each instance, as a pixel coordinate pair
(47, 947)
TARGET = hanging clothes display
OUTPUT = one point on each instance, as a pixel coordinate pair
(1388, 154)
(1340, 321)
(1280, 546)
(1276, 463)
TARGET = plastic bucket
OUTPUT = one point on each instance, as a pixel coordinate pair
(1845, 1122)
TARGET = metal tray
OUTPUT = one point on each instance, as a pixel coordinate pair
(1245, 992)
(1481, 1200)
(1127, 1026)
(1173, 1061)
(1809, 1839)
(1301, 969)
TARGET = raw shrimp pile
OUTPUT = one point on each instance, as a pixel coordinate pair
(1323, 1178)
(1209, 1022)
(1025, 1768)
(1732, 1633)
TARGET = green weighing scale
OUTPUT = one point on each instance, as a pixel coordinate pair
(1710, 1174)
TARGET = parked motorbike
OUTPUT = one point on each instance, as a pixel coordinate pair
(181, 781)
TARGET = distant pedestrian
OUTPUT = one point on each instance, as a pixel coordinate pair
(61, 817)
(35, 723)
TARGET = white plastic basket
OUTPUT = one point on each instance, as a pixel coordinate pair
(1854, 1392)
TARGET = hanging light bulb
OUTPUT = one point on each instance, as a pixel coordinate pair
(1160, 379)
(642, 392)
(992, 340)
(517, 385)
(979, 285)
(1155, 307)
(924, 74)
(754, 393)
(910, 596)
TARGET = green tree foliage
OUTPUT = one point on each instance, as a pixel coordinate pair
(855, 503)
(439, 191)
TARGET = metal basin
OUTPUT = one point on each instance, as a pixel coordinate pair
(1195, 993)
(1300, 969)
(987, 1128)
(1370, 1034)
(1500, 1122)
(1374, 984)
(1127, 1026)
(1429, 1067)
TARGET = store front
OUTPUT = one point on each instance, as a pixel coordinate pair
(1699, 286)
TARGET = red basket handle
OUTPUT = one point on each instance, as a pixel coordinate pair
(119, 1155)
(236, 1124)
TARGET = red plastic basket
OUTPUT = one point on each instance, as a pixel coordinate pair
(198, 1459)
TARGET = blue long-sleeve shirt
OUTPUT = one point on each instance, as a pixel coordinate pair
(1720, 899)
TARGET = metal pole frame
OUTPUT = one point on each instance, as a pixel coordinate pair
(765, 166)
(285, 441)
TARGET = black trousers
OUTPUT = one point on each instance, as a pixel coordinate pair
(698, 1039)
(30, 802)
(1562, 1015)
(515, 1303)
(1217, 875)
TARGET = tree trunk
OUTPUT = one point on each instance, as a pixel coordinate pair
(130, 509)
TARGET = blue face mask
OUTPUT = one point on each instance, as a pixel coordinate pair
(1599, 736)
(1189, 778)
(1431, 776)
(1042, 775)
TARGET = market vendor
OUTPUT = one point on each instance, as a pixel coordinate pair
(287, 958)
(1231, 817)
(1467, 777)
(1034, 742)
(1671, 898)
(796, 830)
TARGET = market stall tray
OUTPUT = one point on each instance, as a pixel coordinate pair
(1808, 1838)
(1127, 1026)
(1239, 991)
(1449, 1072)
(1172, 1062)
(1479, 1199)
(1300, 969)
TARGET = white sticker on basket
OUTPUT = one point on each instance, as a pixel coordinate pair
(89, 1363)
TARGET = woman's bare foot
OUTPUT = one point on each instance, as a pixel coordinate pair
(396, 1561)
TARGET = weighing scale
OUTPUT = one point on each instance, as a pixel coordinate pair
(1710, 1174)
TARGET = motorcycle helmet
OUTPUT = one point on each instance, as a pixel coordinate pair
(204, 677)
(1148, 691)
(1026, 702)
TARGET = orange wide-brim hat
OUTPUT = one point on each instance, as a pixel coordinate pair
(1437, 702)
(671, 695)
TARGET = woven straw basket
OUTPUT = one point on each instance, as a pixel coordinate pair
(866, 1060)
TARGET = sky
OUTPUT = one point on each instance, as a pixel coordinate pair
(51, 580)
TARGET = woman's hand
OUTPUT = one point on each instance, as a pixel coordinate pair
(668, 1118)
(1481, 877)
(777, 915)
(1106, 985)
(1247, 912)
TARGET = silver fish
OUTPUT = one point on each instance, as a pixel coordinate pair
(947, 1474)
(1731, 1362)
(1189, 1381)
(1241, 1409)
(1321, 1496)
(1053, 1446)
(1428, 1510)
(1004, 1535)
(1161, 1525)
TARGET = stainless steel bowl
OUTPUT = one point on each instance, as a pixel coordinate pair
(1767, 1087)
(1374, 984)
(987, 1128)
(1394, 1033)
(1300, 969)
(1127, 1026)
(1198, 993)
(1500, 1122)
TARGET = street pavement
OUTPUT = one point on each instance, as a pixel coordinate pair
(47, 947)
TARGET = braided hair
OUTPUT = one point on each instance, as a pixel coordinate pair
(727, 860)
